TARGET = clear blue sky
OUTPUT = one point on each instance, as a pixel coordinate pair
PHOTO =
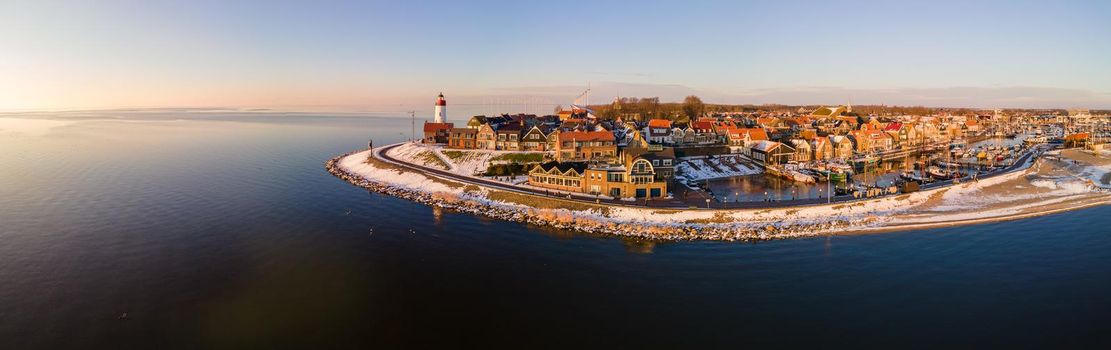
(86, 54)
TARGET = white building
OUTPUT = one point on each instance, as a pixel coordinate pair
(441, 110)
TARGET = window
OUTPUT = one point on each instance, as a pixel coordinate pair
(667, 162)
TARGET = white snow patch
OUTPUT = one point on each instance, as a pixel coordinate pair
(696, 169)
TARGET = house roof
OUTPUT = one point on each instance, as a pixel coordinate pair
(838, 139)
(808, 134)
(1077, 137)
(434, 127)
(702, 125)
(666, 152)
(800, 121)
(820, 141)
(563, 167)
(765, 146)
(586, 136)
(659, 123)
(509, 128)
(542, 129)
(767, 121)
(754, 134)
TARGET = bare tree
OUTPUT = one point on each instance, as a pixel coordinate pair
(693, 108)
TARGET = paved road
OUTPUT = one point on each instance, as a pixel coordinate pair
(673, 203)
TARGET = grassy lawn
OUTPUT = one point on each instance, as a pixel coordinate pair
(455, 156)
(545, 203)
(430, 159)
(521, 157)
(383, 165)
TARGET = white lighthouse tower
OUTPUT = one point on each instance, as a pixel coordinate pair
(441, 109)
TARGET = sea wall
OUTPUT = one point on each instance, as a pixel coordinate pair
(921, 209)
(587, 222)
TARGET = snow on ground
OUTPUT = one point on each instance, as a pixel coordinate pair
(1097, 174)
(1052, 184)
(721, 219)
(467, 162)
(419, 154)
(356, 163)
(1049, 186)
(695, 168)
(464, 162)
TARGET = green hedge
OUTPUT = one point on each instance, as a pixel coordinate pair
(521, 157)
(511, 169)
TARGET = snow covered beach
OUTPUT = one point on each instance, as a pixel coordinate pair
(1049, 186)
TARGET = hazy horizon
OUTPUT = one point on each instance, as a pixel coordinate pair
(351, 56)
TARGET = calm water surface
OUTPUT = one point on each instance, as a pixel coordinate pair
(224, 231)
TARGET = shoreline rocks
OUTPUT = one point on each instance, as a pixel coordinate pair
(786, 226)
(566, 219)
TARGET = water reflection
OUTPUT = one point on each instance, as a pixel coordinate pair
(639, 246)
(438, 216)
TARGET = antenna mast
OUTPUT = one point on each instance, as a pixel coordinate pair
(413, 126)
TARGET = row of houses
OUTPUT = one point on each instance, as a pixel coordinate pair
(633, 173)
(637, 158)
(607, 158)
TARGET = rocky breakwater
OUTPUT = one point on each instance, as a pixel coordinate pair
(474, 202)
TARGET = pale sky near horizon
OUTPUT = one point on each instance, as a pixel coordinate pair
(359, 55)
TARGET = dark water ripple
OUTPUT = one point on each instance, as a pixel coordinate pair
(227, 233)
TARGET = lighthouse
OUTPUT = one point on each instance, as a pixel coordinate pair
(441, 109)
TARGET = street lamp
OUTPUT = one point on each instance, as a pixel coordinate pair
(829, 187)
(707, 203)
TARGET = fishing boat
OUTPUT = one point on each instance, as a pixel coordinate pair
(840, 168)
(861, 161)
(914, 176)
(938, 173)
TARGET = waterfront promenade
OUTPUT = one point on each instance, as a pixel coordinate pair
(674, 203)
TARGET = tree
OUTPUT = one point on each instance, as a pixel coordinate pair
(693, 107)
